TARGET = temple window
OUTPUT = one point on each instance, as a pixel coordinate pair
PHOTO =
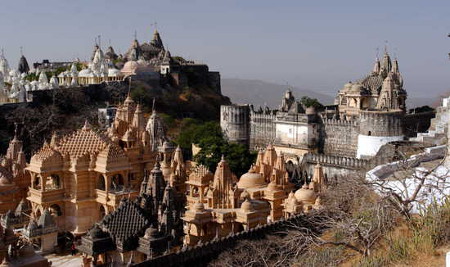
(116, 182)
(195, 192)
(55, 210)
(53, 182)
(101, 183)
(37, 182)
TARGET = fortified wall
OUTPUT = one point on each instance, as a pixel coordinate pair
(340, 137)
(234, 121)
(262, 127)
(202, 254)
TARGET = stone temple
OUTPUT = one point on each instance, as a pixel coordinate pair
(367, 114)
(83, 176)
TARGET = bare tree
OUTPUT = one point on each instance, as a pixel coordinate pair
(410, 187)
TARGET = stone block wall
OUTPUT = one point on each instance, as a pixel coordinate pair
(262, 129)
(340, 137)
(382, 123)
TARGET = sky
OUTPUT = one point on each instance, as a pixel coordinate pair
(315, 45)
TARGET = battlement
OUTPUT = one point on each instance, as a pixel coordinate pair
(340, 122)
(338, 161)
(382, 123)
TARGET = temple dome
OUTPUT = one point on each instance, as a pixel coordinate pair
(356, 88)
(247, 206)
(130, 67)
(306, 195)
(251, 179)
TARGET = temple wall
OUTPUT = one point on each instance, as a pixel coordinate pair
(340, 137)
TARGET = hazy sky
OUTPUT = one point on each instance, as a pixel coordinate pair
(316, 45)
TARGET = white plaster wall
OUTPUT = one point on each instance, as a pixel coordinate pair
(369, 145)
(445, 102)
(291, 133)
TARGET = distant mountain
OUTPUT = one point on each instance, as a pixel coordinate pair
(260, 93)
(412, 102)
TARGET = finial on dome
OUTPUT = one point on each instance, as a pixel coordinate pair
(86, 126)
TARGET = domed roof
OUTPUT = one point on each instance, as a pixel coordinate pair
(347, 87)
(247, 206)
(130, 67)
(251, 179)
(305, 195)
(356, 88)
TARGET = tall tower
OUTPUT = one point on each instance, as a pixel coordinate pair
(235, 123)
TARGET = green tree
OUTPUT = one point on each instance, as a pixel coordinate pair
(208, 136)
(311, 102)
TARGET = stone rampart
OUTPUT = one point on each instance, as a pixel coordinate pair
(202, 254)
(340, 137)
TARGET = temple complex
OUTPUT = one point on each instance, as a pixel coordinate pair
(220, 204)
(83, 176)
(142, 228)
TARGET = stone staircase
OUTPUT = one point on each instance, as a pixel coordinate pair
(437, 133)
